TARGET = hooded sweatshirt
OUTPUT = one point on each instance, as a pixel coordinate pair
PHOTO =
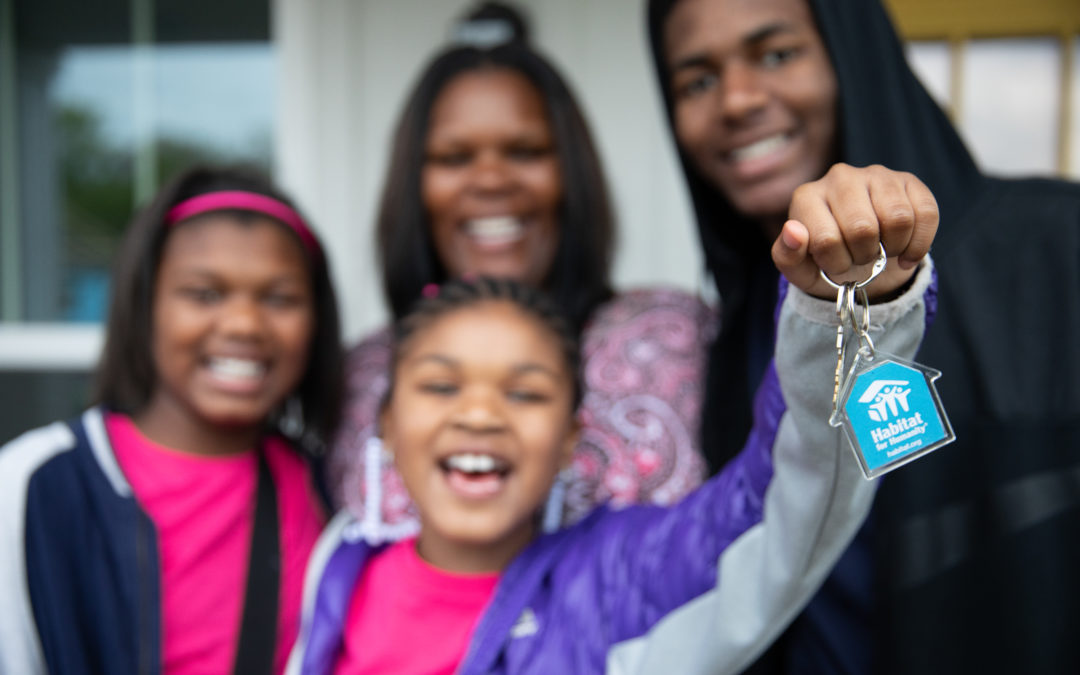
(971, 562)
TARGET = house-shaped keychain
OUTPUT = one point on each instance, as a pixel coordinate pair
(891, 412)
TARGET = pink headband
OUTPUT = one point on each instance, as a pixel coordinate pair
(245, 201)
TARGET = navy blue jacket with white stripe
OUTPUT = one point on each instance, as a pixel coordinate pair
(78, 557)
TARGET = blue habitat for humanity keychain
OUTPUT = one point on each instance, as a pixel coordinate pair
(888, 406)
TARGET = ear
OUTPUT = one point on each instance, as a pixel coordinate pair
(573, 433)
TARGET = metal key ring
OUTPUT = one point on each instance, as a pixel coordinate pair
(879, 265)
(860, 325)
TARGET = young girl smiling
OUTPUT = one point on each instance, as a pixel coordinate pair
(167, 529)
(480, 419)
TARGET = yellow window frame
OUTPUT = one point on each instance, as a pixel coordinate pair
(959, 21)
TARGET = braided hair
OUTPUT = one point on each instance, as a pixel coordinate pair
(437, 302)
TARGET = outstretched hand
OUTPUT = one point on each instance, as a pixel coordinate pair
(835, 224)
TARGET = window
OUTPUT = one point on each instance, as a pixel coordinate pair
(100, 102)
(1009, 74)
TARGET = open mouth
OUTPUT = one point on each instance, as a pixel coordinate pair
(237, 374)
(759, 149)
(495, 231)
(475, 475)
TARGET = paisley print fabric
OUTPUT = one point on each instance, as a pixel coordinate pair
(643, 360)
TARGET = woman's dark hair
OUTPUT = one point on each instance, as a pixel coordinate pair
(126, 376)
(459, 294)
(579, 276)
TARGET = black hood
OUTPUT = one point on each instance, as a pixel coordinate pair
(885, 116)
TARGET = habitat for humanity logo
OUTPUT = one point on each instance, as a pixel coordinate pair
(894, 422)
(888, 397)
(891, 412)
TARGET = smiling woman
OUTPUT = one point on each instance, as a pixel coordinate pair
(493, 172)
(491, 180)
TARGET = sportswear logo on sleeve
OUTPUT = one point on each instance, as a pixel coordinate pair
(525, 625)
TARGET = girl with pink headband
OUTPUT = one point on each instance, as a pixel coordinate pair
(166, 530)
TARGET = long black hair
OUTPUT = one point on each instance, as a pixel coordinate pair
(126, 376)
(579, 276)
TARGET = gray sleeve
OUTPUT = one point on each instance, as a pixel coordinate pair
(815, 503)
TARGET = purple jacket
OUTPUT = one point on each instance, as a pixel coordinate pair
(701, 586)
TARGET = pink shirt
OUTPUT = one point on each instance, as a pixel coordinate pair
(406, 616)
(203, 509)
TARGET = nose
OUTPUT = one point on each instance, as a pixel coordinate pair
(492, 173)
(479, 411)
(242, 317)
(742, 91)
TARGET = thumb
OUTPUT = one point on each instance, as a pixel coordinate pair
(790, 254)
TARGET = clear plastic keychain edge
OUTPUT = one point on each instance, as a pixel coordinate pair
(839, 417)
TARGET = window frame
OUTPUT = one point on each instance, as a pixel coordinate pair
(958, 22)
(59, 346)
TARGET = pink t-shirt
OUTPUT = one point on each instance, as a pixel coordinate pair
(406, 616)
(203, 508)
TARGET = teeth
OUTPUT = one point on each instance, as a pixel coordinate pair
(236, 368)
(758, 149)
(471, 463)
(495, 230)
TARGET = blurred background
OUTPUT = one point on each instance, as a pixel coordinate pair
(102, 100)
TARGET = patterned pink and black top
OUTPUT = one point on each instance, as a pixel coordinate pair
(643, 359)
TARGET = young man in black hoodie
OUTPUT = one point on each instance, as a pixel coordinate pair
(969, 560)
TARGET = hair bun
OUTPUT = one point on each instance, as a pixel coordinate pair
(490, 24)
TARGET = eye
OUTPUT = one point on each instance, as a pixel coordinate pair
(774, 58)
(528, 153)
(203, 295)
(444, 388)
(450, 159)
(526, 395)
(283, 299)
(700, 83)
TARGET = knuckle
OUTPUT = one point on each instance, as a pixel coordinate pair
(803, 199)
(862, 237)
(880, 172)
(805, 190)
(926, 210)
(822, 243)
(861, 231)
(898, 216)
(841, 169)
